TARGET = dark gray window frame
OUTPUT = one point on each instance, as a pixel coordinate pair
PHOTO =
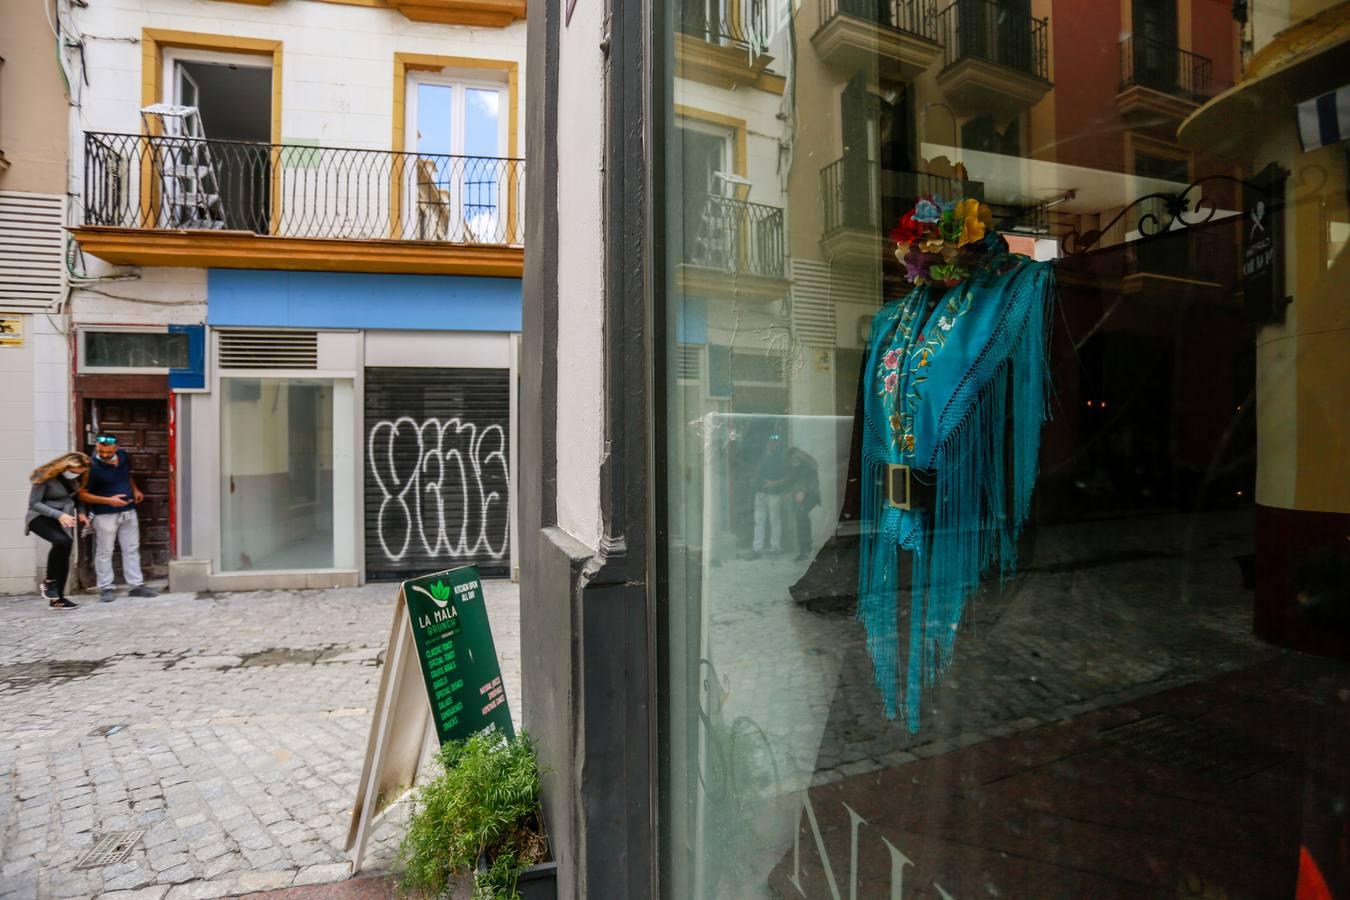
(589, 614)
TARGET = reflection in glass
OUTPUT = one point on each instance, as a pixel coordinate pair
(1125, 709)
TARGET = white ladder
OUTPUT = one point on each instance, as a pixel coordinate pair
(188, 178)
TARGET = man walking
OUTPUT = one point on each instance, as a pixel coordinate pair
(112, 495)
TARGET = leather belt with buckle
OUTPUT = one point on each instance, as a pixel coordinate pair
(910, 488)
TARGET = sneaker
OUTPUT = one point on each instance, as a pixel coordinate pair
(141, 590)
(63, 603)
(49, 592)
(107, 595)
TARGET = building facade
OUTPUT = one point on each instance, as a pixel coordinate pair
(297, 295)
(34, 324)
(736, 693)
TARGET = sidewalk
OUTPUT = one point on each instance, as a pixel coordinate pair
(230, 727)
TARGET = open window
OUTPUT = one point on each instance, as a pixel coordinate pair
(709, 187)
(228, 153)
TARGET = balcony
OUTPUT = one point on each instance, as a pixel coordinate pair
(479, 13)
(1178, 261)
(899, 35)
(1160, 83)
(995, 61)
(725, 43)
(175, 201)
(861, 201)
(733, 245)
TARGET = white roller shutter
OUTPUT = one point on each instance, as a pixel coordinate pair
(30, 250)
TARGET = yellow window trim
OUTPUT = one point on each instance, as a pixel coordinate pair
(723, 67)
(737, 126)
(739, 153)
(428, 62)
(154, 41)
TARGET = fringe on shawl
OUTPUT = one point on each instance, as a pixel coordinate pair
(981, 505)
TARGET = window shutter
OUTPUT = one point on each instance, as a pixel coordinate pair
(30, 250)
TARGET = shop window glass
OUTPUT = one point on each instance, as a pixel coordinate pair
(1016, 570)
(134, 350)
(278, 472)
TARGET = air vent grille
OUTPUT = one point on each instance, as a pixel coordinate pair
(30, 250)
(688, 362)
(818, 289)
(268, 349)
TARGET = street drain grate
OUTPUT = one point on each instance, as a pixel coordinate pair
(107, 730)
(1194, 746)
(110, 849)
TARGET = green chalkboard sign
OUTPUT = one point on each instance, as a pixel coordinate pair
(456, 654)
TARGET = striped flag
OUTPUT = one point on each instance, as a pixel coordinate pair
(1324, 120)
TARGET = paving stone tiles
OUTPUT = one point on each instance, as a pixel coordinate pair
(232, 727)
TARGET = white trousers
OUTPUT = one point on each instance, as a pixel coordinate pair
(768, 517)
(110, 529)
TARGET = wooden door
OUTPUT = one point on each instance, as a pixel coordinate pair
(142, 429)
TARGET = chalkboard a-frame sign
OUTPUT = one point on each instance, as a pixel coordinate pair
(456, 655)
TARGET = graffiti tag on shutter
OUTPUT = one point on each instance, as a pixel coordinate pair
(454, 456)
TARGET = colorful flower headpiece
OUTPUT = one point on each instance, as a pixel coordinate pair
(940, 242)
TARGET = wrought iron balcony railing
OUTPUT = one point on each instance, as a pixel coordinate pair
(285, 190)
(985, 29)
(736, 236)
(917, 17)
(733, 23)
(860, 194)
(1165, 67)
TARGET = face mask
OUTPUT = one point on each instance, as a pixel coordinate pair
(73, 476)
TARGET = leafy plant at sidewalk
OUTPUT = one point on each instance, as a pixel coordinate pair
(483, 805)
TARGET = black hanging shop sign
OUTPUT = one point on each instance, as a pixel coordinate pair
(1263, 245)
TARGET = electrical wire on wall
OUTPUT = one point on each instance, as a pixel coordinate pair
(70, 41)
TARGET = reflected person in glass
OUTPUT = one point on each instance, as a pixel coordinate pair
(805, 497)
(773, 479)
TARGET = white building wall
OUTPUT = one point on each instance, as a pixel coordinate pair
(154, 297)
(16, 461)
(51, 387)
(581, 297)
(35, 411)
(337, 60)
(337, 89)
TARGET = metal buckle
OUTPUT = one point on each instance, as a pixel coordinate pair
(898, 486)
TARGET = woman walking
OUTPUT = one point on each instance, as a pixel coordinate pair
(53, 514)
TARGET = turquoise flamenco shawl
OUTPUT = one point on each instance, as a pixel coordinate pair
(943, 389)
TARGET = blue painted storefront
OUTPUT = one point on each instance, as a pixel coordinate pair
(268, 299)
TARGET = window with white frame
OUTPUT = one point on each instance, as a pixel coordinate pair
(459, 129)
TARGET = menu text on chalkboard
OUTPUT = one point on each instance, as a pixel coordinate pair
(456, 654)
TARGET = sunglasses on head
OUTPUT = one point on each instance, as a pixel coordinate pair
(104, 439)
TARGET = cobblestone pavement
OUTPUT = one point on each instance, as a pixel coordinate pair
(230, 727)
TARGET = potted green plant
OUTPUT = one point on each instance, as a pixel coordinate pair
(477, 825)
